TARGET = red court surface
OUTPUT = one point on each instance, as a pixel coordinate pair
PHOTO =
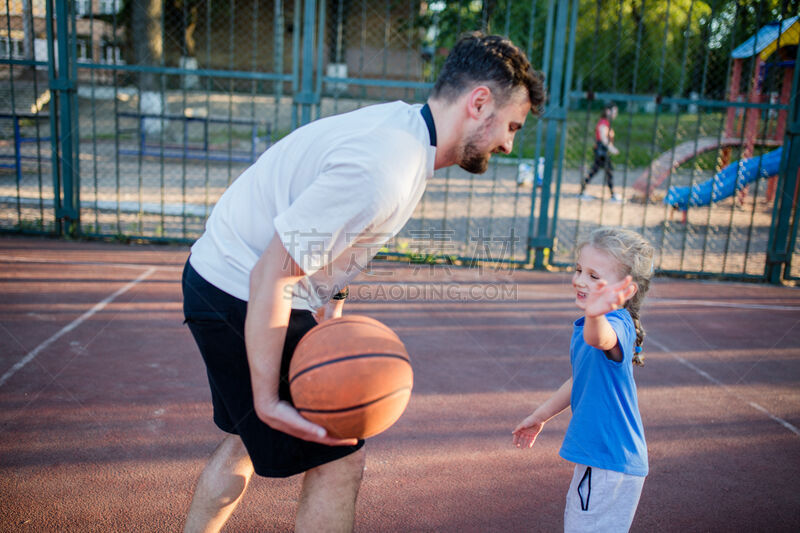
(106, 417)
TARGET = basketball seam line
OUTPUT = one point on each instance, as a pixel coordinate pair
(347, 358)
(353, 407)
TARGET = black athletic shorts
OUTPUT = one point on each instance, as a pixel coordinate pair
(216, 320)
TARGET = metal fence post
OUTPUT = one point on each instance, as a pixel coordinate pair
(64, 143)
(783, 230)
(562, 146)
(307, 98)
(554, 114)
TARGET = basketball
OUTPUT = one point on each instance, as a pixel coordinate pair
(352, 376)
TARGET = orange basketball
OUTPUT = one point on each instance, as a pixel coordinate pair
(352, 376)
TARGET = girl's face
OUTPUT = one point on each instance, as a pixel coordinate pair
(593, 265)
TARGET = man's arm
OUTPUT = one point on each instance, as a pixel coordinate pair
(268, 312)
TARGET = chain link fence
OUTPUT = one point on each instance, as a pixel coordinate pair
(172, 100)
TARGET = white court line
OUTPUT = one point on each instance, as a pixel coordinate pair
(72, 325)
(727, 389)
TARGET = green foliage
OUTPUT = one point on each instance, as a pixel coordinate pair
(670, 48)
(641, 47)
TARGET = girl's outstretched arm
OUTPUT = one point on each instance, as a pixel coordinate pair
(597, 331)
(526, 431)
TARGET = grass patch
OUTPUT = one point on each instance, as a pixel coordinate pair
(640, 137)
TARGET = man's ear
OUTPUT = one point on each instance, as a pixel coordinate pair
(477, 100)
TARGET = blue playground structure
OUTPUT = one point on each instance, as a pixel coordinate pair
(726, 182)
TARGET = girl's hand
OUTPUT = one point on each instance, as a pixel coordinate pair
(606, 298)
(526, 432)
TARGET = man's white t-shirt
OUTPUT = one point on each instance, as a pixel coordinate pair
(334, 190)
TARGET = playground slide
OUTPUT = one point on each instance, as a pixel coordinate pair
(660, 168)
(654, 175)
(725, 182)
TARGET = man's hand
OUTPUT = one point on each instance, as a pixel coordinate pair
(280, 415)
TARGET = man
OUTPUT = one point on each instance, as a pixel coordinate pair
(291, 232)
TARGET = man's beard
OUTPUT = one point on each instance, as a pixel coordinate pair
(473, 159)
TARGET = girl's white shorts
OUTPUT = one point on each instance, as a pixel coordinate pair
(601, 500)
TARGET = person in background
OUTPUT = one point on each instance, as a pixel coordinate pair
(603, 150)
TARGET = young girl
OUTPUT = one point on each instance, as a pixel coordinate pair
(605, 437)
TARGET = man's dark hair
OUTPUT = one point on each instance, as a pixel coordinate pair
(491, 59)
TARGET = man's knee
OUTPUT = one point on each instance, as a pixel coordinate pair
(348, 470)
(228, 472)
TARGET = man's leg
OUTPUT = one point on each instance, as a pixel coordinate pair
(328, 499)
(220, 487)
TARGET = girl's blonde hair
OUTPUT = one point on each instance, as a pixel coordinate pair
(634, 256)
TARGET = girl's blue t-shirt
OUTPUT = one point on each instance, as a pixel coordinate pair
(606, 428)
